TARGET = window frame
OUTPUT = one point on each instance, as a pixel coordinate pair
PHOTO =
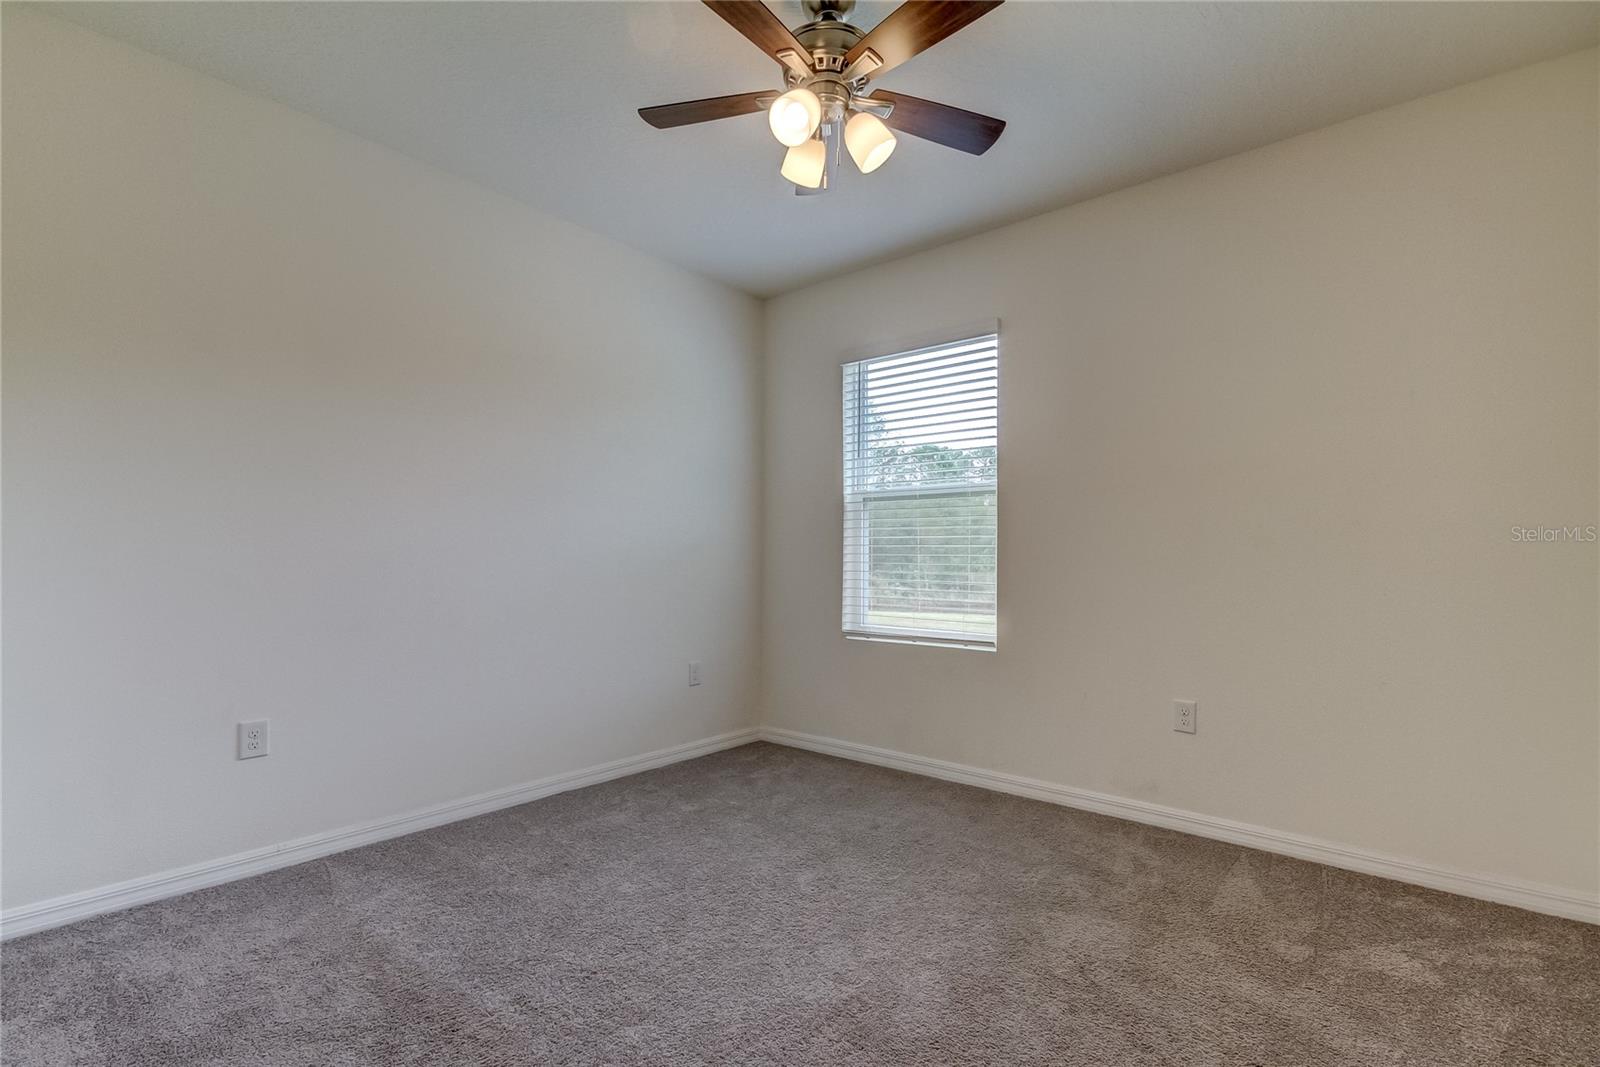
(853, 623)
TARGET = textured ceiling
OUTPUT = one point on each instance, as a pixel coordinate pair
(538, 100)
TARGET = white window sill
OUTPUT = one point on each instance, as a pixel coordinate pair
(970, 644)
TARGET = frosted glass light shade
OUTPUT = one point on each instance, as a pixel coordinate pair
(795, 116)
(869, 140)
(804, 164)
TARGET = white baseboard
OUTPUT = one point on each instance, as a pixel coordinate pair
(1551, 900)
(58, 911)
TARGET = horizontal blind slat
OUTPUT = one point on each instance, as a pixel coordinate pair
(881, 365)
(979, 392)
(895, 367)
(968, 377)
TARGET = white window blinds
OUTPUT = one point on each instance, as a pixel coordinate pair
(921, 431)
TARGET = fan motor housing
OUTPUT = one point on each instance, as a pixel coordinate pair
(820, 9)
(827, 40)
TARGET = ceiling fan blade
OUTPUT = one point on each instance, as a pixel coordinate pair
(666, 116)
(913, 27)
(952, 127)
(764, 29)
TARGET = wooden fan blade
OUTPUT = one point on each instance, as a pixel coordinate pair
(913, 27)
(666, 116)
(764, 29)
(952, 127)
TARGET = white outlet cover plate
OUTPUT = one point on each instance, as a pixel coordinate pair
(1184, 715)
(254, 740)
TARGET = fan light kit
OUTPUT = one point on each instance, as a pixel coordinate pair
(795, 116)
(826, 103)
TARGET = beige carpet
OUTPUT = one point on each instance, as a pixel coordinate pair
(768, 906)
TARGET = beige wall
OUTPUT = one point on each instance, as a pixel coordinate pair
(298, 428)
(1266, 428)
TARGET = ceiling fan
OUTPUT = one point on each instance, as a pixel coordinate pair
(827, 67)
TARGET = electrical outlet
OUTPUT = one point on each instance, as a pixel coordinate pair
(253, 739)
(1184, 713)
(694, 672)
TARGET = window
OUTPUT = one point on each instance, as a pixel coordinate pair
(921, 431)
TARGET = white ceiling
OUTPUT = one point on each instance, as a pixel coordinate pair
(538, 100)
